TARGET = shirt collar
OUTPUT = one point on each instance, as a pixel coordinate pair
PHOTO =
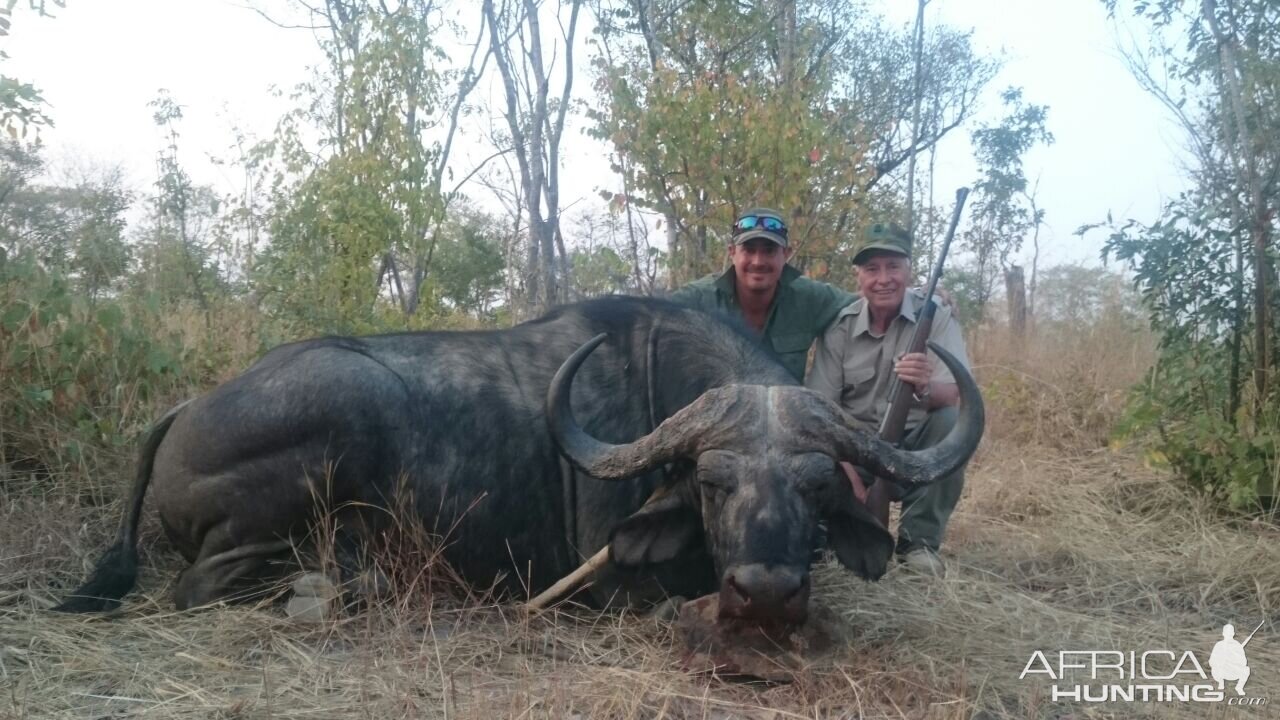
(907, 311)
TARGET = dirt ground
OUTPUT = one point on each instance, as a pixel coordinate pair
(1049, 551)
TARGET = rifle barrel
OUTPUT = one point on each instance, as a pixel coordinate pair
(936, 275)
(894, 421)
(1255, 630)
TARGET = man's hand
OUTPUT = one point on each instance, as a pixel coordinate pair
(916, 369)
(945, 296)
(947, 301)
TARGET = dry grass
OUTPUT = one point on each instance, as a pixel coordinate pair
(1047, 552)
(1055, 546)
(1059, 388)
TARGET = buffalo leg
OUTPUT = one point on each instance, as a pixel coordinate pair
(359, 575)
(231, 574)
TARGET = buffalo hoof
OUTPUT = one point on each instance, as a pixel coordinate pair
(314, 599)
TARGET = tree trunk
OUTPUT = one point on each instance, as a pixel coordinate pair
(1016, 291)
(1037, 220)
(1238, 320)
(633, 246)
(1233, 83)
(674, 276)
(535, 135)
(787, 44)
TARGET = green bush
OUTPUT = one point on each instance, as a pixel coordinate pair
(79, 378)
(1180, 415)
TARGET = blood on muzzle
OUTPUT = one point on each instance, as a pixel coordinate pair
(765, 593)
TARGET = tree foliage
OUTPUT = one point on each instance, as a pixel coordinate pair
(1206, 267)
(718, 106)
(1076, 296)
(355, 217)
(22, 107)
(469, 263)
(1002, 212)
(75, 228)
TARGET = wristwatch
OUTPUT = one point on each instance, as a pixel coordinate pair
(922, 398)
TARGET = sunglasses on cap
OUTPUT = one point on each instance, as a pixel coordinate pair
(760, 222)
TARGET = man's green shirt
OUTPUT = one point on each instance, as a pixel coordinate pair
(801, 311)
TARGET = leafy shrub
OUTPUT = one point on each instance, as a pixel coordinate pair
(80, 378)
(1180, 414)
(1199, 411)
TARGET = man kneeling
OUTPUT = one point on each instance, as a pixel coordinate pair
(853, 365)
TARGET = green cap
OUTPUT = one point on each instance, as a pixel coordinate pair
(889, 237)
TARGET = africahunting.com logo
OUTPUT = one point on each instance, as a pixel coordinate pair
(1097, 676)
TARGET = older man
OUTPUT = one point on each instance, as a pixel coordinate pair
(853, 366)
(789, 311)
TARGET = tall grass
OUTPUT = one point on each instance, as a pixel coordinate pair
(1062, 386)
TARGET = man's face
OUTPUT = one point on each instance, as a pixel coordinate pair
(758, 264)
(882, 279)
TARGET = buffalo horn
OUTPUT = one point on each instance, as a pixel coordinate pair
(672, 439)
(920, 467)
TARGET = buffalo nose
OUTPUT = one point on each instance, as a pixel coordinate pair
(765, 593)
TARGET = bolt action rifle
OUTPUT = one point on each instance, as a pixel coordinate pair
(901, 394)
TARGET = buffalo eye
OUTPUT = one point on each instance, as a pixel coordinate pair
(714, 473)
(810, 486)
(716, 482)
(813, 476)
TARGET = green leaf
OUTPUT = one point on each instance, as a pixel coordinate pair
(37, 394)
(18, 355)
(158, 361)
(110, 317)
(14, 317)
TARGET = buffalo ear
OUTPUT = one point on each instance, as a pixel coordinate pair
(660, 531)
(860, 542)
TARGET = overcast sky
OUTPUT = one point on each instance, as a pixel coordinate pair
(100, 63)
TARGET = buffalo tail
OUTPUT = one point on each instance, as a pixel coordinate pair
(117, 570)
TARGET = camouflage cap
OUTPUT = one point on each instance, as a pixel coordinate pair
(889, 237)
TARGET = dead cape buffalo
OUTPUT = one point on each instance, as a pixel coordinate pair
(478, 426)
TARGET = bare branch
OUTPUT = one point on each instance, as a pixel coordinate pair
(277, 23)
(478, 168)
(471, 78)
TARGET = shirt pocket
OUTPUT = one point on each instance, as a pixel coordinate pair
(791, 344)
(859, 387)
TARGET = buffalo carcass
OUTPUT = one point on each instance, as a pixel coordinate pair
(635, 392)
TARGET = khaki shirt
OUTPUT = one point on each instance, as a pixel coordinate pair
(854, 368)
(801, 311)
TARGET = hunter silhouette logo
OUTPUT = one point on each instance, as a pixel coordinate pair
(1095, 676)
(1228, 661)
